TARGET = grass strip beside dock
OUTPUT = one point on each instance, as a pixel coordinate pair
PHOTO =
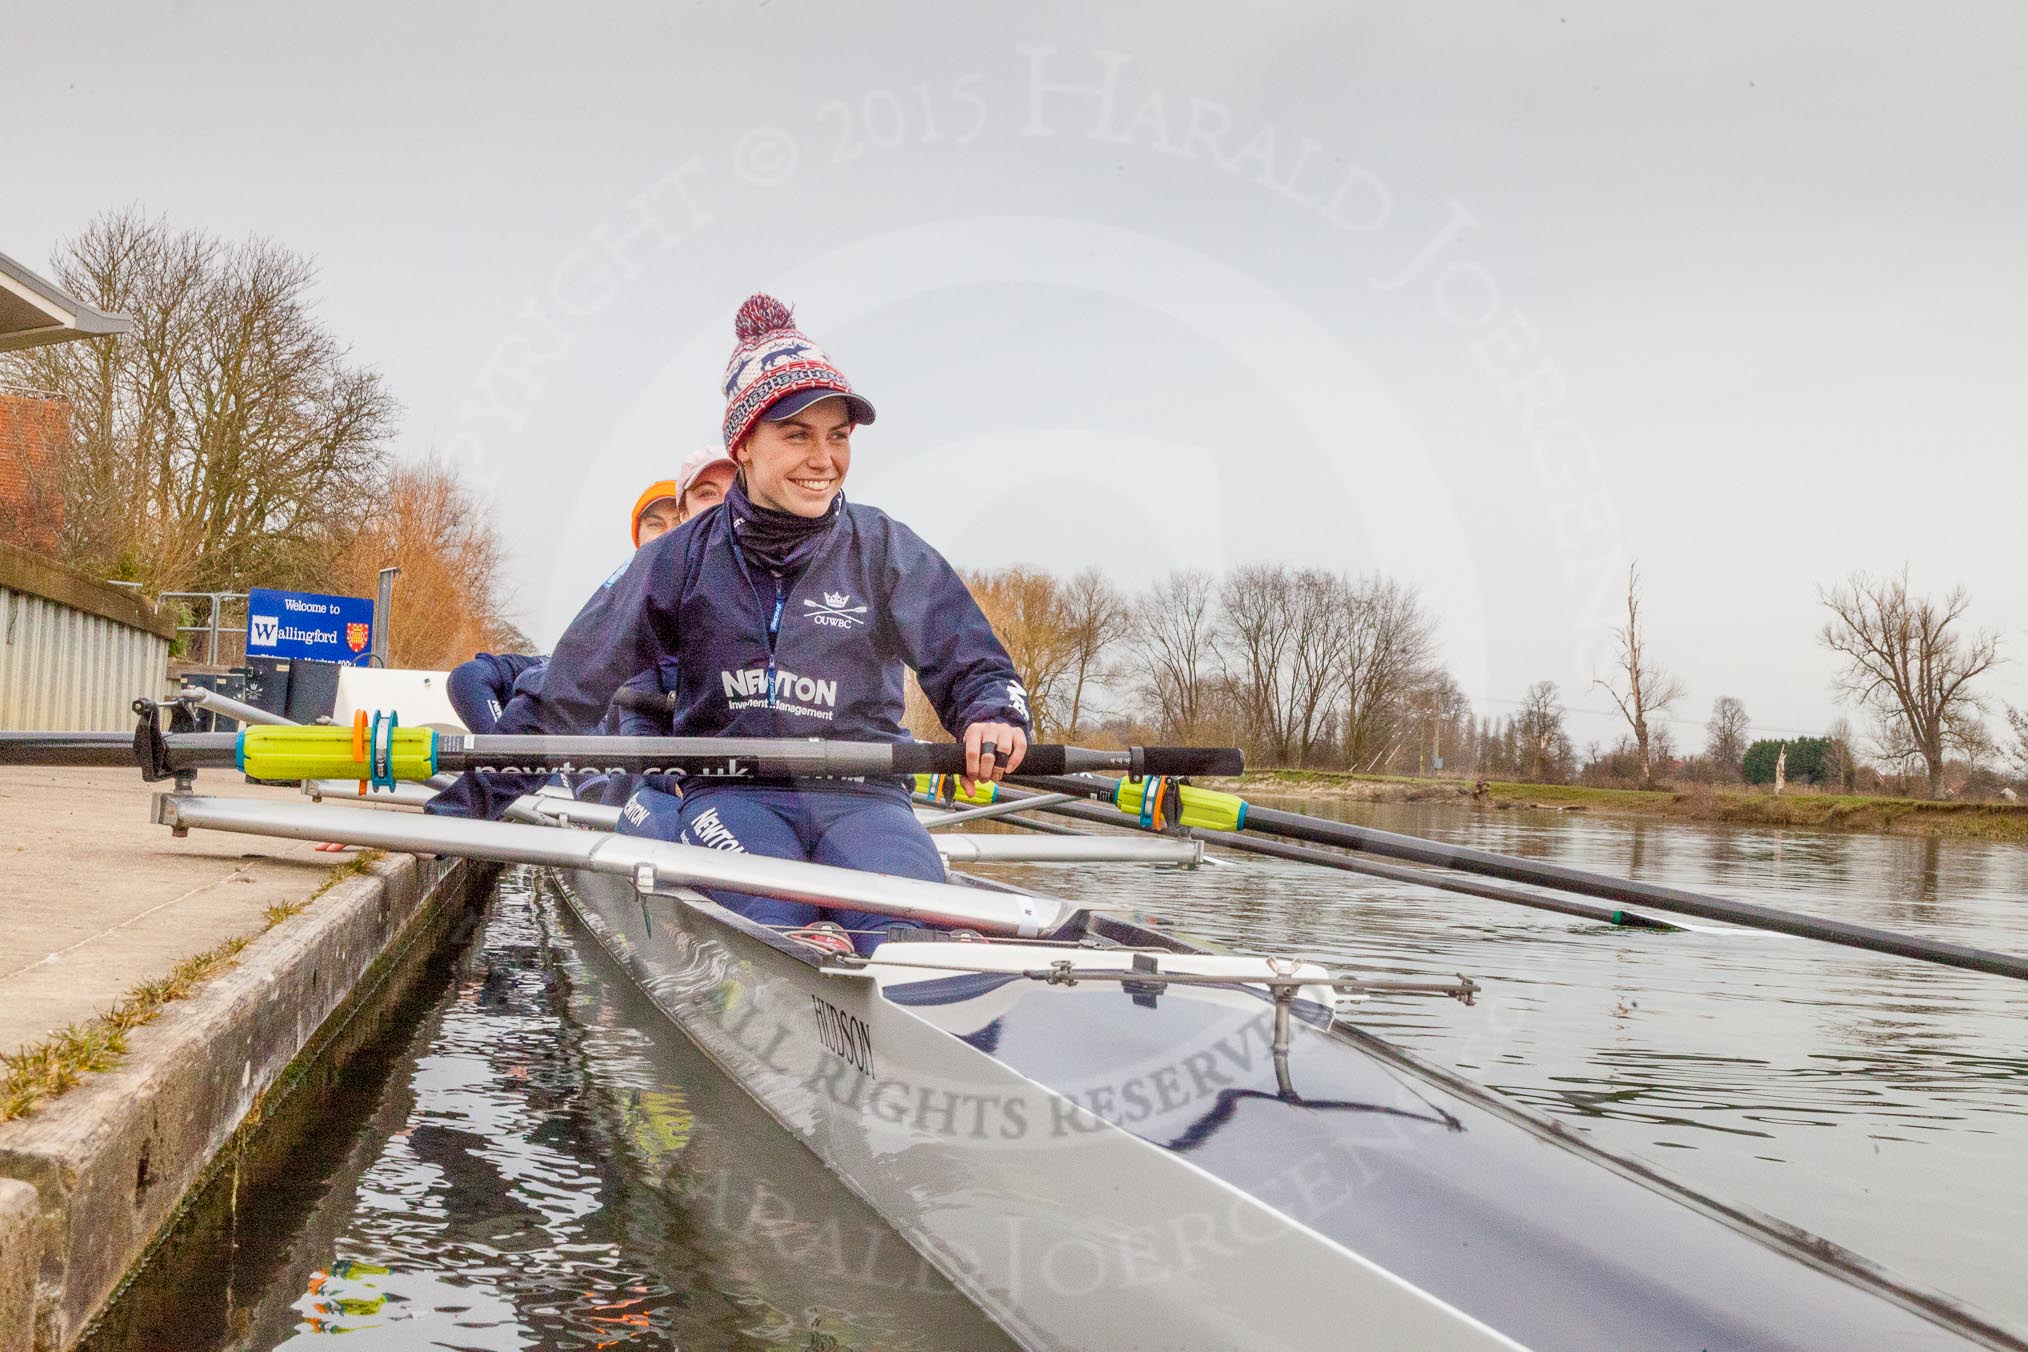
(45, 1069)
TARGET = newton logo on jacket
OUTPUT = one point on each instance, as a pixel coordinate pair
(792, 693)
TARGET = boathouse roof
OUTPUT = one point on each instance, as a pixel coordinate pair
(34, 311)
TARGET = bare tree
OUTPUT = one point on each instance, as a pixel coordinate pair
(227, 437)
(1725, 736)
(1173, 639)
(1909, 661)
(431, 526)
(1284, 632)
(1978, 746)
(1026, 608)
(1255, 628)
(1538, 730)
(1841, 756)
(1640, 685)
(1390, 649)
(1894, 747)
(1661, 746)
(1095, 615)
(2017, 754)
(1436, 720)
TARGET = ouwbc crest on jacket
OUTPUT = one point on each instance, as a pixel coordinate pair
(775, 359)
(836, 610)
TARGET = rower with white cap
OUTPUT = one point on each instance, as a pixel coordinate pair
(702, 480)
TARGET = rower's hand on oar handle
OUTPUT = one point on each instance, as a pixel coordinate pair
(992, 751)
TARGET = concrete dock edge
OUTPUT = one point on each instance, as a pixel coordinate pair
(106, 1167)
(19, 1254)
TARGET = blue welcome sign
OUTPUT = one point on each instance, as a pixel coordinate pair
(305, 625)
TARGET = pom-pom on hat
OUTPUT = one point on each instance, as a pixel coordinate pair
(776, 371)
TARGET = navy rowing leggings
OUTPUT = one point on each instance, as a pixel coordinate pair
(876, 832)
(473, 694)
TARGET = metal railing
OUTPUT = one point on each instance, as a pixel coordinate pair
(223, 639)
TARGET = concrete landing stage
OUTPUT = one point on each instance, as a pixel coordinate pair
(94, 901)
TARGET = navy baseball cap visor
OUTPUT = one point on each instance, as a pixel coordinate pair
(794, 402)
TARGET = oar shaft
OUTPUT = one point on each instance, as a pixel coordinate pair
(67, 748)
(1043, 828)
(333, 753)
(1345, 835)
(194, 750)
(704, 756)
(790, 757)
(1308, 854)
(1414, 849)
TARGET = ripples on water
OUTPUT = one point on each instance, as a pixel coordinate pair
(543, 1163)
(1880, 1102)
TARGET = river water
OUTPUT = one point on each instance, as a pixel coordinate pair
(529, 1157)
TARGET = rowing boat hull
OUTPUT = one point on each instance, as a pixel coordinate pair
(1036, 1209)
(1159, 1185)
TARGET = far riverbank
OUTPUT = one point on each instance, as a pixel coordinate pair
(1738, 807)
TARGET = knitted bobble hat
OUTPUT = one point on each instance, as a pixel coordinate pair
(776, 371)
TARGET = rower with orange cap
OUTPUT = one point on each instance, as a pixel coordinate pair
(657, 511)
(643, 703)
(479, 689)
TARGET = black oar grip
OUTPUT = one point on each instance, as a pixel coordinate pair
(1038, 760)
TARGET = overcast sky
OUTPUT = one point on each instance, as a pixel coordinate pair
(1492, 298)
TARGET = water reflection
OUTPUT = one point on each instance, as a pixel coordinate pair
(543, 1162)
(1637, 850)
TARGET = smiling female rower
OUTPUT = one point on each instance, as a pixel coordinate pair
(788, 613)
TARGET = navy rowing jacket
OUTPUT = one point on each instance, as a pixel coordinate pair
(817, 654)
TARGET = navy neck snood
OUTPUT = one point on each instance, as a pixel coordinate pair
(780, 542)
